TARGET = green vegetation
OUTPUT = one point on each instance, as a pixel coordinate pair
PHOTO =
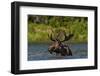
(40, 26)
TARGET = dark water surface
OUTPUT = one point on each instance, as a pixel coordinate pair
(40, 52)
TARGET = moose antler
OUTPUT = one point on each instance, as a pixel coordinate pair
(51, 37)
(67, 37)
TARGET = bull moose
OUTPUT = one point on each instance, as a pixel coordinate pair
(59, 47)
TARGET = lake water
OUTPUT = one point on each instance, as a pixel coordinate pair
(40, 52)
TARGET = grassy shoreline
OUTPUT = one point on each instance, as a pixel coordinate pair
(49, 42)
(38, 31)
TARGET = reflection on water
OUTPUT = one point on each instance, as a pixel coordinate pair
(40, 52)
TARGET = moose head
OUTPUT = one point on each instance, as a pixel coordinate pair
(58, 45)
